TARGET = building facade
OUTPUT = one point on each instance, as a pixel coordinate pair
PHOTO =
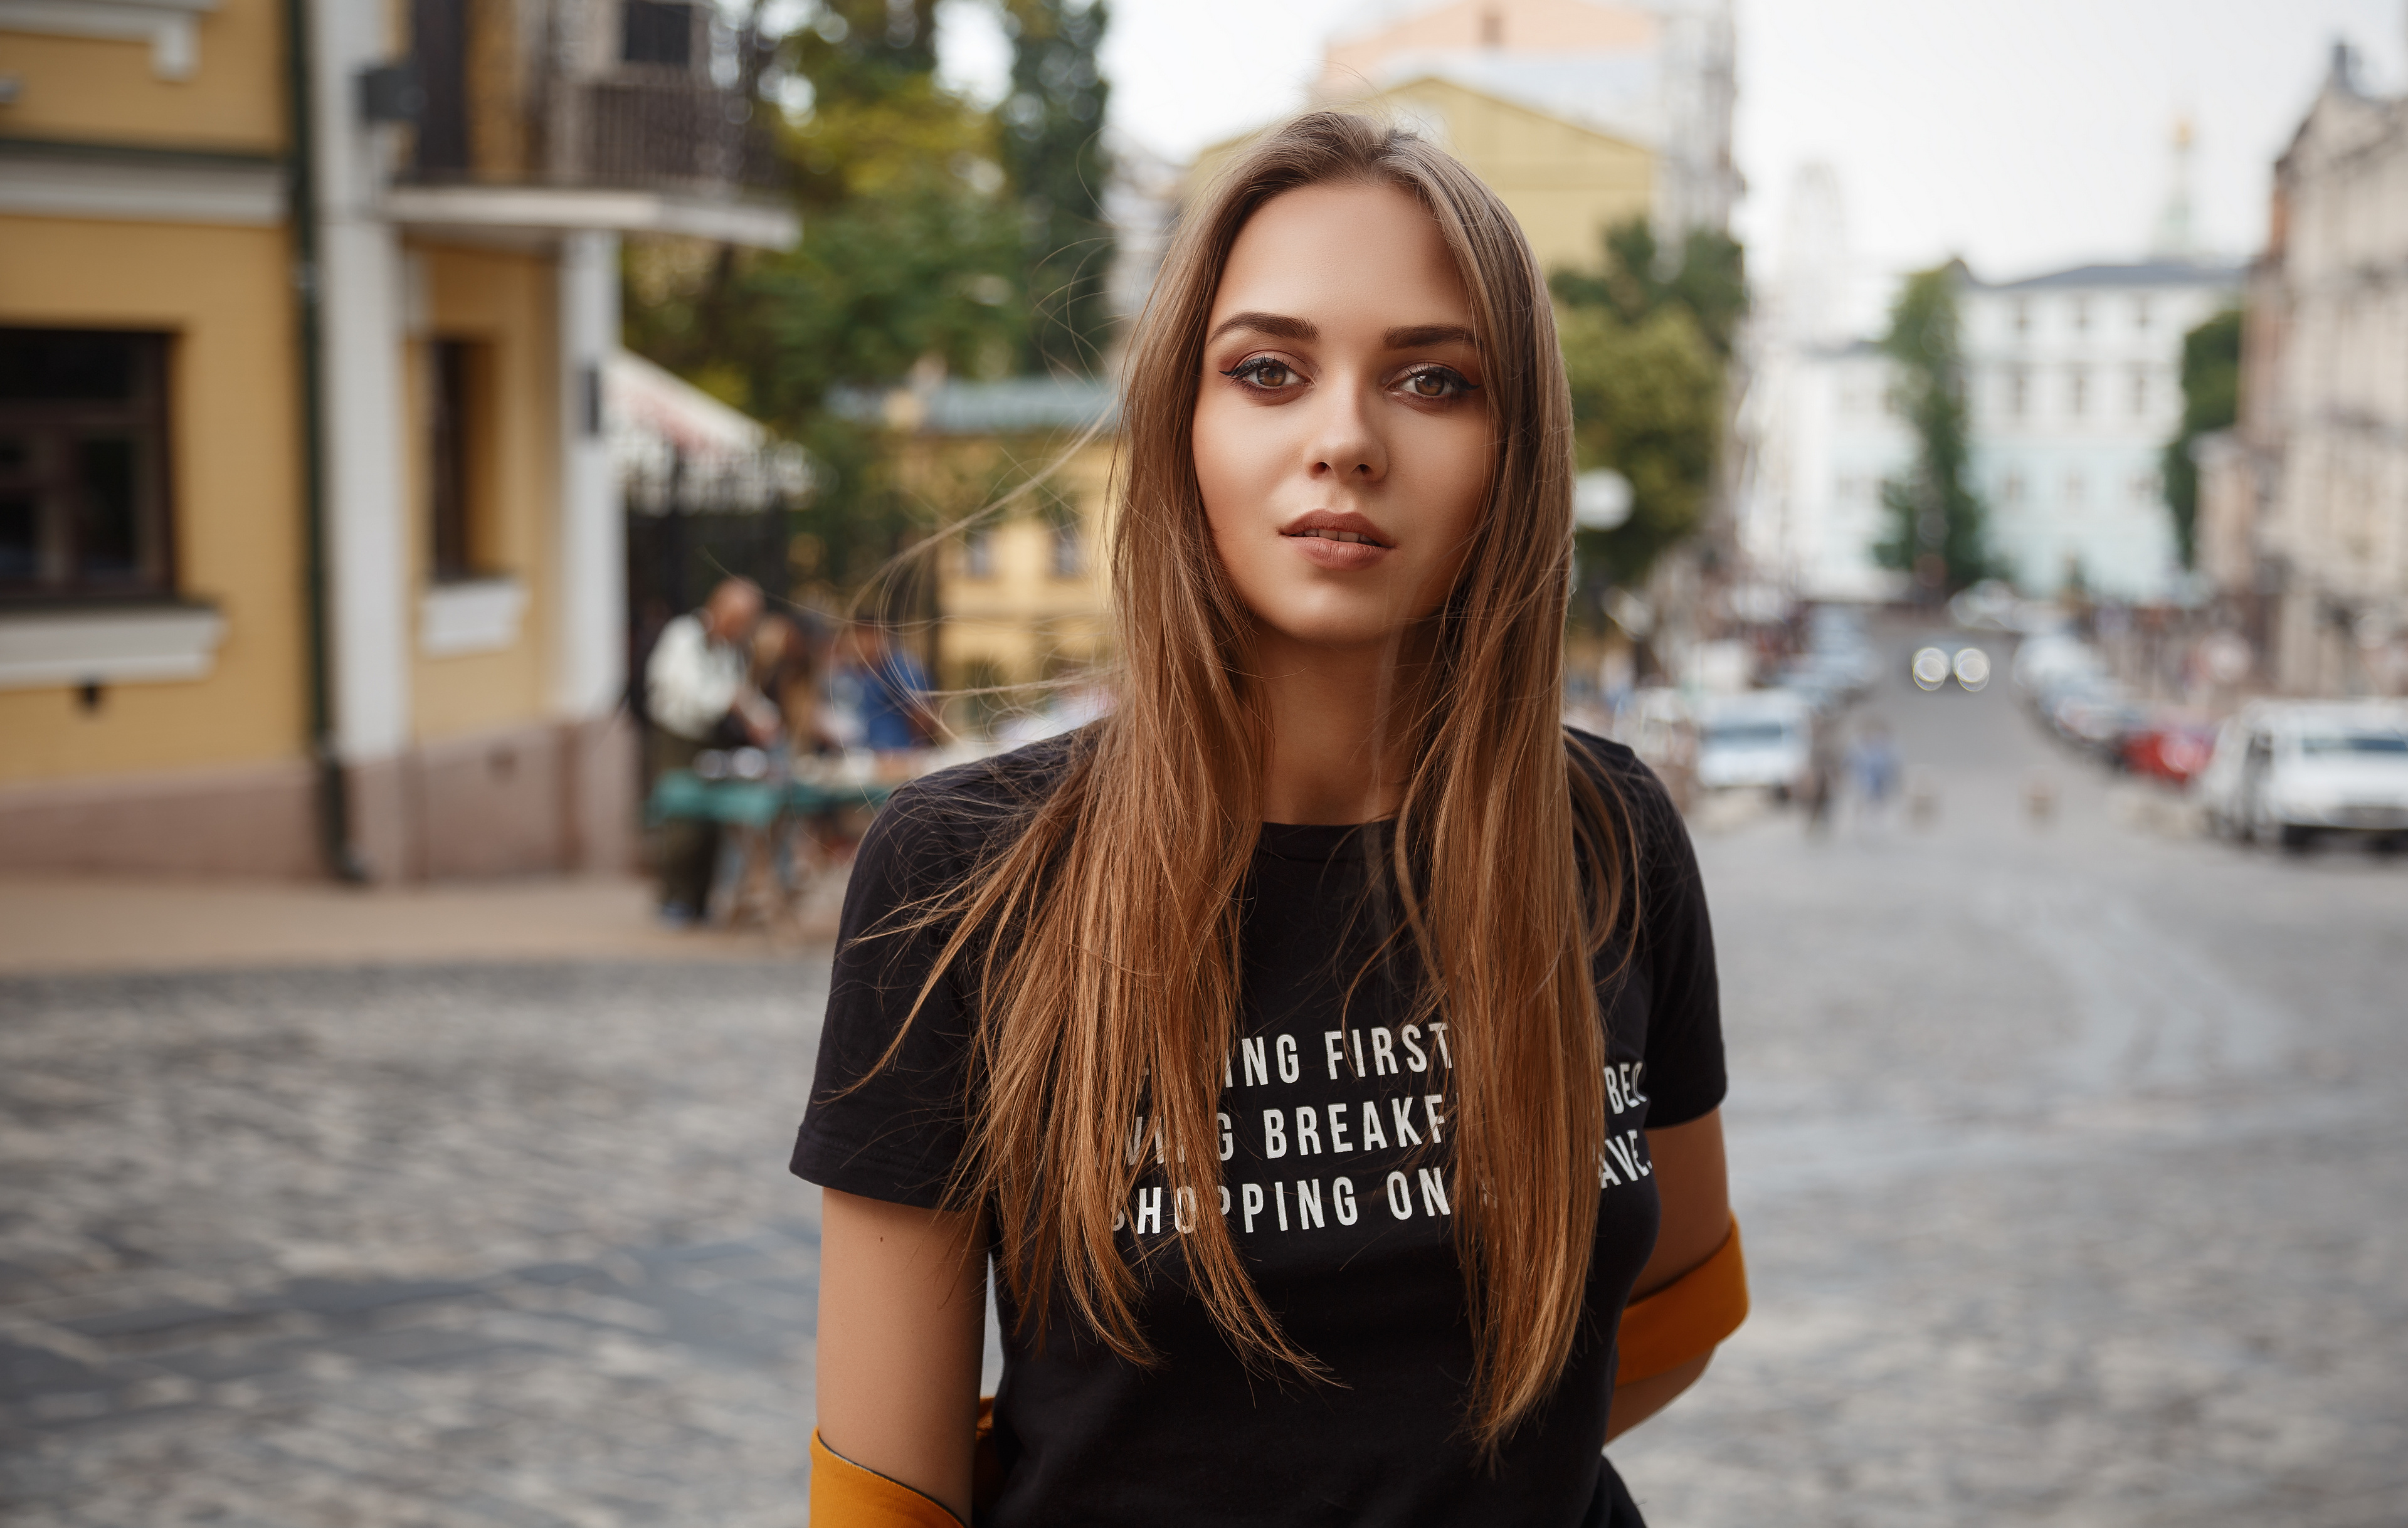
(2074, 386)
(1565, 181)
(2304, 504)
(2073, 389)
(1022, 589)
(1661, 78)
(1823, 432)
(311, 554)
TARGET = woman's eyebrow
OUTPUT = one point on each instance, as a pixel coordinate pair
(1276, 324)
(1421, 336)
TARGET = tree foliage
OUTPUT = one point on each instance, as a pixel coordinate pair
(1053, 153)
(2211, 384)
(1647, 351)
(928, 223)
(1937, 530)
(1709, 283)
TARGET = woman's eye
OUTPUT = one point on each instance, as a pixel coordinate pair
(1436, 383)
(1264, 372)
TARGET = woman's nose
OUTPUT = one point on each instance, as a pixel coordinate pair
(1346, 446)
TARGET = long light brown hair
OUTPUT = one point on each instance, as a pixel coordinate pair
(1102, 933)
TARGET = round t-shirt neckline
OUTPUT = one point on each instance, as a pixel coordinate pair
(1318, 842)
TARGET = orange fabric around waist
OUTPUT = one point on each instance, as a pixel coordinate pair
(846, 1495)
(1685, 1319)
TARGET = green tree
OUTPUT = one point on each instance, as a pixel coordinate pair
(1647, 402)
(864, 53)
(2211, 384)
(1053, 149)
(1647, 353)
(1936, 520)
(911, 252)
(1710, 282)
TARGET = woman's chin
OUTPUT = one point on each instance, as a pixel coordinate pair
(1340, 628)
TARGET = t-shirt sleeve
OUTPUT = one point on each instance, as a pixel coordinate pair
(1685, 1079)
(895, 1131)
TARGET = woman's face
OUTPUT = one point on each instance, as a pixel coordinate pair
(1341, 442)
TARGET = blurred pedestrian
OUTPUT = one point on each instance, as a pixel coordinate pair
(1874, 763)
(1823, 768)
(786, 671)
(698, 692)
(888, 690)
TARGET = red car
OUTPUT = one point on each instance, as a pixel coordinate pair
(2169, 748)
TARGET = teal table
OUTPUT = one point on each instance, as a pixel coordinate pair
(779, 858)
(752, 804)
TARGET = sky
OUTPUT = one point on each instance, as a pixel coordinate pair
(2023, 136)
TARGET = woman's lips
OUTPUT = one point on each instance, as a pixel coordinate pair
(1340, 540)
(1340, 551)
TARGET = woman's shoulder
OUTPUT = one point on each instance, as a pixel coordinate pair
(945, 822)
(1614, 767)
(1635, 795)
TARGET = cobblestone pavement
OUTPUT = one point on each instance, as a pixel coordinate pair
(2073, 1161)
(442, 1248)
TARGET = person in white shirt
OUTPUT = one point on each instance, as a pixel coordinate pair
(699, 693)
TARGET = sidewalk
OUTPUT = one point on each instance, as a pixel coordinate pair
(56, 924)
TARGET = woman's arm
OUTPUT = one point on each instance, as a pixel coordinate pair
(902, 1330)
(1695, 1189)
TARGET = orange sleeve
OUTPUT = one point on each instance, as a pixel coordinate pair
(846, 1495)
(1685, 1319)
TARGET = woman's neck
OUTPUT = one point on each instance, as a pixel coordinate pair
(1334, 755)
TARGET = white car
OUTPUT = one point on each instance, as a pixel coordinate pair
(1764, 739)
(2296, 771)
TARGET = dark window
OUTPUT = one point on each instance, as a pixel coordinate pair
(83, 464)
(454, 460)
(656, 32)
(440, 47)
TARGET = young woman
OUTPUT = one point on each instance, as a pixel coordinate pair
(1324, 1045)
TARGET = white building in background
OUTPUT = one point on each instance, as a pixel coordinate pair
(1824, 433)
(2074, 384)
(1661, 74)
(1818, 426)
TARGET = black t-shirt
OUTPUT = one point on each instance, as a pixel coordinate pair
(1334, 1171)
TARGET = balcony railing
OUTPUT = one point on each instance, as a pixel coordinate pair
(676, 135)
(640, 134)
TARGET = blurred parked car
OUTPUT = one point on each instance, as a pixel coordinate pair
(2096, 716)
(1764, 738)
(1824, 686)
(2053, 660)
(2169, 746)
(1658, 726)
(2294, 771)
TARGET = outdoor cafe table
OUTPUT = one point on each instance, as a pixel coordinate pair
(682, 793)
(763, 813)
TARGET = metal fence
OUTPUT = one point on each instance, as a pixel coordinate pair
(643, 133)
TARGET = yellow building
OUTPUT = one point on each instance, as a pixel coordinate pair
(309, 553)
(1659, 75)
(1023, 593)
(1565, 181)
